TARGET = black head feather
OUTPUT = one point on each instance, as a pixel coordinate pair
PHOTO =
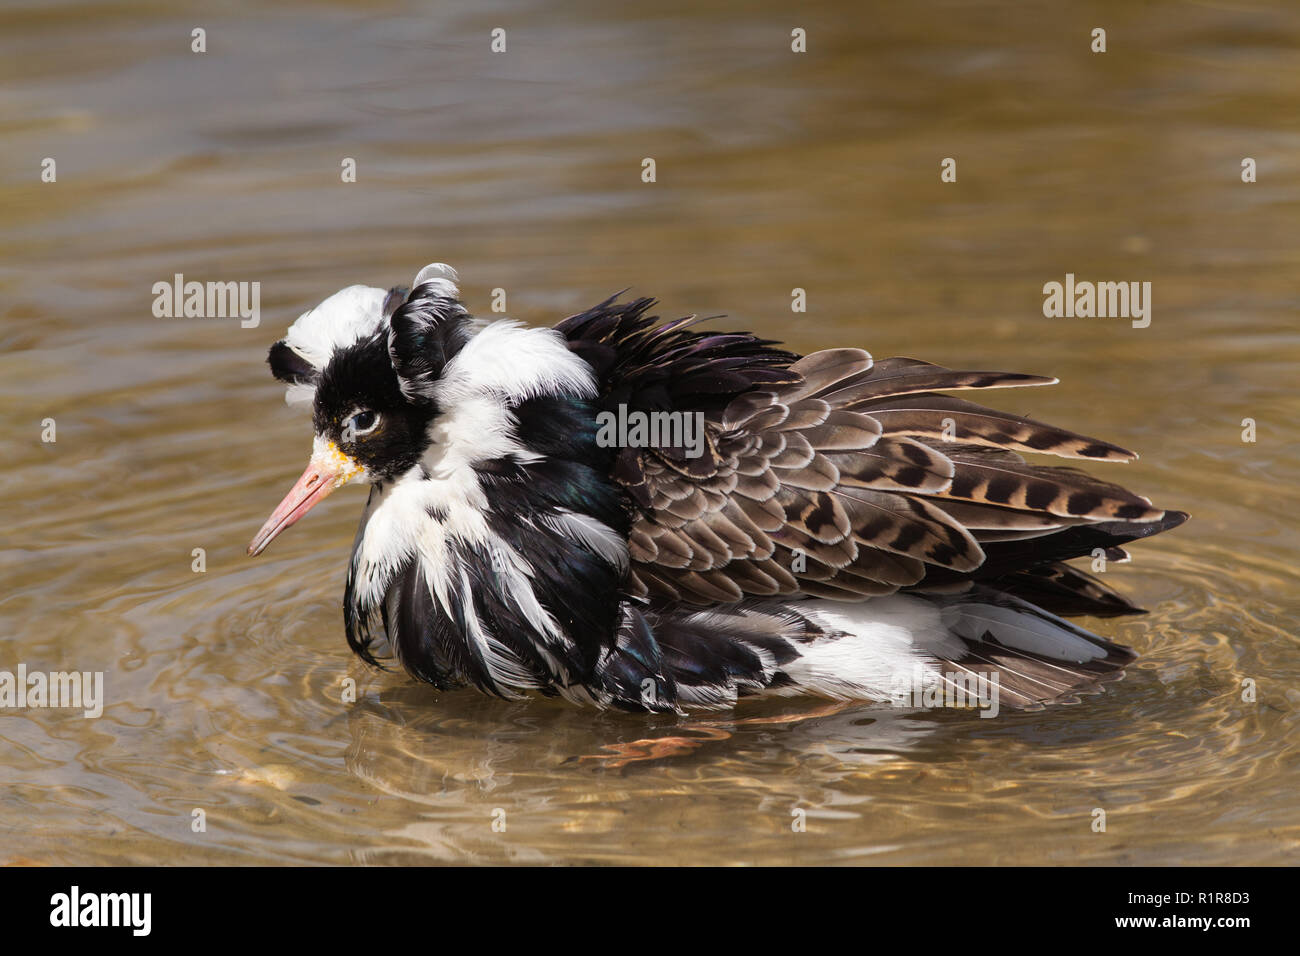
(425, 333)
(360, 378)
(290, 367)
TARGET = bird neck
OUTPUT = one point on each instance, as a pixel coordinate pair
(503, 572)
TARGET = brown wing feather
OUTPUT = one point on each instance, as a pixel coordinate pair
(945, 418)
(856, 479)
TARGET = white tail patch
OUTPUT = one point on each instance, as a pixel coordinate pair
(879, 643)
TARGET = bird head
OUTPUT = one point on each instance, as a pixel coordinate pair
(367, 361)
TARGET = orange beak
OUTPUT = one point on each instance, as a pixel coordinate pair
(328, 469)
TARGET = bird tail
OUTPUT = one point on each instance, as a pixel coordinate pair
(983, 648)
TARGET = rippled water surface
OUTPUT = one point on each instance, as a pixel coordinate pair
(775, 170)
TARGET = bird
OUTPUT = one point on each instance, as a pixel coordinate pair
(826, 526)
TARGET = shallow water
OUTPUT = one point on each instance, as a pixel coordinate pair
(774, 171)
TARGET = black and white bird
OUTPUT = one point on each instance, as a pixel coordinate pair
(839, 527)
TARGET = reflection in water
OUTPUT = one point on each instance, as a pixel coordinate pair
(775, 171)
(509, 756)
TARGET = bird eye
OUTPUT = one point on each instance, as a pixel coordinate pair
(363, 422)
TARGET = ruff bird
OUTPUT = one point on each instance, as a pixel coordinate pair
(835, 527)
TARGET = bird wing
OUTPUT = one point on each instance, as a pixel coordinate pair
(837, 476)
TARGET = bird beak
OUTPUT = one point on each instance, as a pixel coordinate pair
(328, 469)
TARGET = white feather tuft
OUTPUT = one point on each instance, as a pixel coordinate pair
(442, 276)
(515, 362)
(346, 317)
